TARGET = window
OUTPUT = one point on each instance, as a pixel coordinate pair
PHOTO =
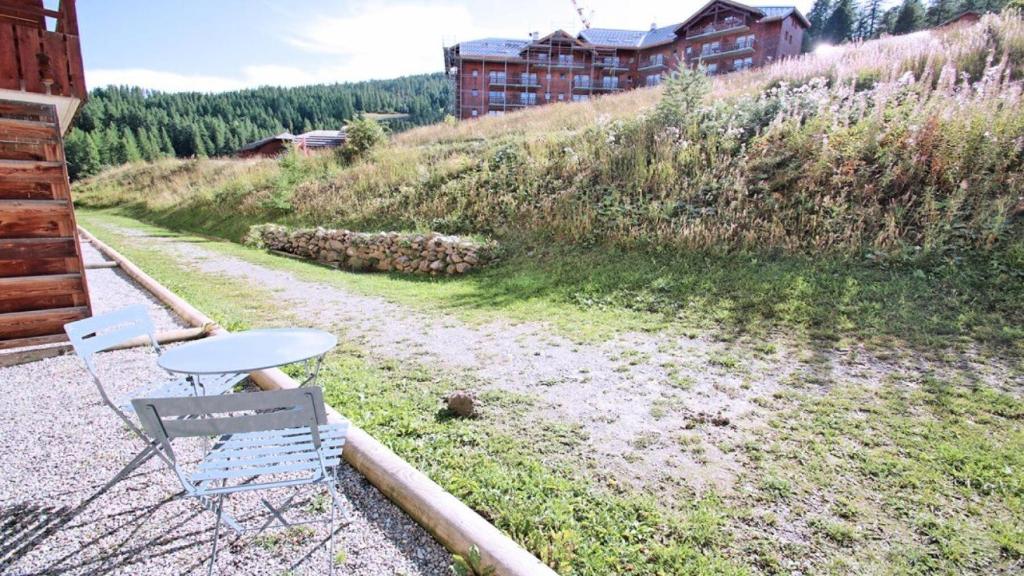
(610, 82)
(745, 41)
(653, 80)
(547, 95)
(561, 96)
(476, 73)
(528, 79)
(712, 48)
(713, 68)
(612, 61)
(580, 97)
(542, 57)
(742, 63)
(474, 112)
(495, 113)
(527, 98)
(566, 60)
(561, 76)
(547, 76)
(497, 78)
(581, 81)
(496, 97)
(475, 92)
(656, 60)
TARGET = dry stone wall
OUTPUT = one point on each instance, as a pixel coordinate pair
(385, 251)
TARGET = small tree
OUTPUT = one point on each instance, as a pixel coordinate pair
(362, 135)
(684, 91)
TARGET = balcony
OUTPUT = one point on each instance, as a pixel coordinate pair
(721, 51)
(45, 64)
(728, 26)
(612, 66)
(656, 65)
(514, 83)
(557, 64)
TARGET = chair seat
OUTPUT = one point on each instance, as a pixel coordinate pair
(213, 385)
(252, 454)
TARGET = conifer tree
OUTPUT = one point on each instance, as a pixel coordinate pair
(840, 25)
(910, 18)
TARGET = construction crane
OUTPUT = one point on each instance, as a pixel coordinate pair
(585, 18)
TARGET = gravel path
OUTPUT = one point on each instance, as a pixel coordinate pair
(59, 445)
(655, 407)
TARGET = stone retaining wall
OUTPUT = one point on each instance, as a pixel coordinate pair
(385, 251)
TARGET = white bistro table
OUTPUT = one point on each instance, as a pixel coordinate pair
(249, 351)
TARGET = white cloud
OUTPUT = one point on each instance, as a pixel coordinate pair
(384, 40)
(250, 77)
(159, 80)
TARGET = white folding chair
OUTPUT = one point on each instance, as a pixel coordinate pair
(261, 441)
(98, 333)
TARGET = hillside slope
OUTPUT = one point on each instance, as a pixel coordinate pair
(902, 157)
(889, 145)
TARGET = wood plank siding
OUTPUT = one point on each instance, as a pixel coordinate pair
(38, 58)
(42, 280)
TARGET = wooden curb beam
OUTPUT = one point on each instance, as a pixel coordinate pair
(95, 265)
(447, 518)
(14, 358)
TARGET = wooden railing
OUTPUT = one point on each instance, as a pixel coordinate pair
(39, 49)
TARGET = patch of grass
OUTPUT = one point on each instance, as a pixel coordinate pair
(776, 489)
(931, 462)
(727, 361)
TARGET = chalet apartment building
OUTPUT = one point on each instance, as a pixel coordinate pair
(497, 75)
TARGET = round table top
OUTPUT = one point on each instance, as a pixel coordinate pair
(243, 352)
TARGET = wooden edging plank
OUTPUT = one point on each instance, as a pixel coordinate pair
(25, 356)
(447, 518)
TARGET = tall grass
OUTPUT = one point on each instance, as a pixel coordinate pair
(906, 145)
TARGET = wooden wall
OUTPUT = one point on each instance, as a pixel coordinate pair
(42, 280)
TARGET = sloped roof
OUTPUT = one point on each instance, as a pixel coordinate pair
(612, 37)
(752, 9)
(284, 136)
(322, 138)
(494, 47)
(781, 12)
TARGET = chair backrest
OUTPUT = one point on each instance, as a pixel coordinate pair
(105, 331)
(167, 418)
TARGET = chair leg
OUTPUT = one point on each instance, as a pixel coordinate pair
(139, 459)
(330, 551)
(216, 534)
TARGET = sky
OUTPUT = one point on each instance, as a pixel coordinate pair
(218, 45)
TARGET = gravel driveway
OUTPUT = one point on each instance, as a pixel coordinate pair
(59, 445)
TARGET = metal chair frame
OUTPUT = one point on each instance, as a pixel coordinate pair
(279, 432)
(94, 335)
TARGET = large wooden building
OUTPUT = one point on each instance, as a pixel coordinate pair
(42, 86)
(497, 75)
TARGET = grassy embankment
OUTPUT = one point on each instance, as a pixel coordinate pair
(871, 194)
(914, 476)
